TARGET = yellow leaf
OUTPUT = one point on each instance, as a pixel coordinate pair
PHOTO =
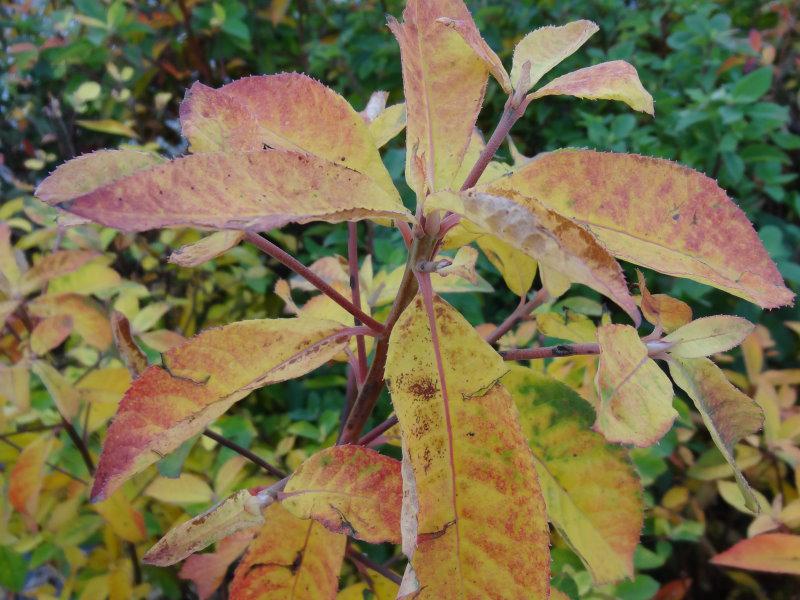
(290, 558)
(53, 265)
(469, 468)
(9, 261)
(470, 34)
(49, 333)
(614, 80)
(107, 126)
(707, 336)
(287, 111)
(570, 326)
(122, 517)
(662, 310)
(380, 587)
(240, 511)
(91, 278)
(593, 495)
(27, 474)
(444, 83)
(64, 395)
(186, 489)
(350, 490)
(200, 380)
(655, 213)
(728, 414)
(547, 46)
(88, 320)
(517, 268)
(390, 122)
(635, 394)
(96, 588)
(206, 249)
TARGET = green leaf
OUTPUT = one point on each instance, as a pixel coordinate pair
(13, 569)
(172, 464)
(751, 87)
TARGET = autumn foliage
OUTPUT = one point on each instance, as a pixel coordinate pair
(489, 459)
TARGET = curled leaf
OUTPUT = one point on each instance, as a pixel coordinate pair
(206, 249)
(662, 310)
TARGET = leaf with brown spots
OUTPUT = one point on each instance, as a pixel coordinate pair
(593, 495)
(477, 493)
(287, 111)
(290, 558)
(350, 490)
(444, 82)
(258, 190)
(728, 414)
(635, 395)
(655, 213)
(554, 241)
(200, 380)
(240, 511)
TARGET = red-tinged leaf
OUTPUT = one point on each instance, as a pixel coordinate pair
(728, 414)
(200, 380)
(471, 487)
(655, 213)
(471, 35)
(64, 395)
(554, 241)
(614, 80)
(26, 477)
(207, 571)
(241, 511)
(662, 310)
(592, 492)
(257, 190)
(206, 249)
(123, 519)
(444, 83)
(770, 552)
(131, 354)
(53, 265)
(49, 333)
(677, 589)
(81, 175)
(635, 395)
(546, 47)
(289, 111)
(350, 490)
(88, 320)
(290, 558)
(709, 335)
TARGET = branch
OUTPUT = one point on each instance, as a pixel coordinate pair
(249, 455)
(79, 444)
(378, 431)
(655, 349)
(295, 265)
(355, 290)
(522, 311)
(55, 467)
(367, 562)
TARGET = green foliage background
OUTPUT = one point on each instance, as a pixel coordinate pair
(78, 76)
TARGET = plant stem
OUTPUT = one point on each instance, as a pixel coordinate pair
(654, 349)
(355, 289)
(79, 444)
(295, 265)
(378, 431)
(421, 249)
(249, 455)
(19, 448)
(367, 562)
(522, 311)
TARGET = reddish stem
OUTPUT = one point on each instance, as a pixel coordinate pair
(654, 349)
(295, 265)
(522, 311)
(378, 431)
(355, 289)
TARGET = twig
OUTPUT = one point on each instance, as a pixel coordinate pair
(295, 265)
(654, 349)
(249, 455)
(522, 311)
(355, 289)
(79, 444)
(367, 562)
(378, 431)
(55, 467)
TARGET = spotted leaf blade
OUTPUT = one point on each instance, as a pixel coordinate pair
(350, 490)
(476, 489)
(593, 494)
(444, 82)
(256, 190)
(655, 213)
(290, 558)
(200, 380)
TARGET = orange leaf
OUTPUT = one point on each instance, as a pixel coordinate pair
(350, 490)
(200, 380)
(88, 320)
(290, 558)
(131, 354)
(470, 484)
(27, 474)
(662, 310)
(770, 552)
(49, 333)
(54, 265)
(208, 570)
(257, 190)
(444, 83)
(288, 111)
(615, 80)
(655, 213)
(635, 394)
